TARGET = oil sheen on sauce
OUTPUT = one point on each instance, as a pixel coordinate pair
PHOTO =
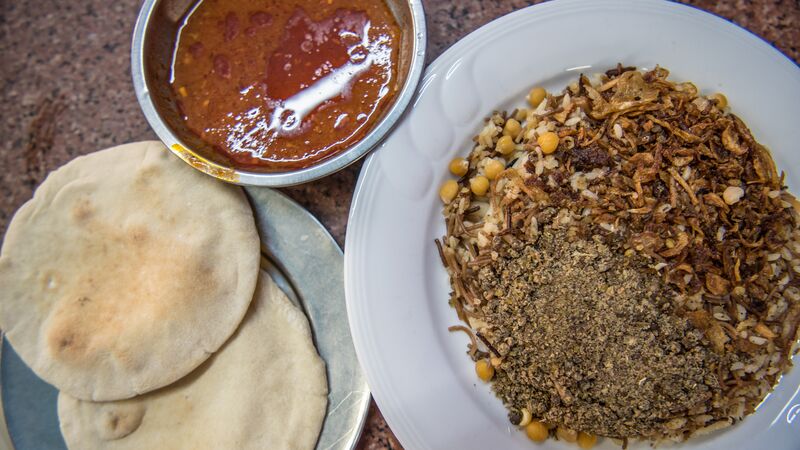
(281, 85)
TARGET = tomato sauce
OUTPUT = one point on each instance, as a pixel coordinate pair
(281, 85)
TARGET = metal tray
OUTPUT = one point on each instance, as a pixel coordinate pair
(306, 263)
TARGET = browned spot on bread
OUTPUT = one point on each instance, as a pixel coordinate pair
(65, 342)
(118, 420)
(82, 210)
(139, 234)
(139, 281)
(145, 177)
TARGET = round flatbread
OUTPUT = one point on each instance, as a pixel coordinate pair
(125, 271)
(265, 389)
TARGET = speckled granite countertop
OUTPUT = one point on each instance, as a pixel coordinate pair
(66, 91)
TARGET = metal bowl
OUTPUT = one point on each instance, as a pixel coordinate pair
(151, 59)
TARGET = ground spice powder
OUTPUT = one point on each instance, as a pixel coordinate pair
(589, 339)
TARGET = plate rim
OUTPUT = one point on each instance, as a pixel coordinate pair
(5, 437)
(395, 417)
(356, 432)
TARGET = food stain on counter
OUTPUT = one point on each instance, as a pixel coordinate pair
(281, 86)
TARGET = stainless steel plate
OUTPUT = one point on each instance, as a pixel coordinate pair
(306, 263)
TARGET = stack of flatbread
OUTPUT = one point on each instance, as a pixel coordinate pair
(132, 283)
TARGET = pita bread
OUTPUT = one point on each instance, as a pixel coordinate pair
(265, 389)
(125, 271)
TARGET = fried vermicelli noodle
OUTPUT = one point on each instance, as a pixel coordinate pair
(635, 242)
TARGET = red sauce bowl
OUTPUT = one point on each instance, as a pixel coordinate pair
(153, 50)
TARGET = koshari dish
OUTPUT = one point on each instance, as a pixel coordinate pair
(626, 259)
(280, 86)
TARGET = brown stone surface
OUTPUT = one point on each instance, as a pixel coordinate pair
(66, 91)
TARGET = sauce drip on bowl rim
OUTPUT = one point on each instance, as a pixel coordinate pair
(280, 86)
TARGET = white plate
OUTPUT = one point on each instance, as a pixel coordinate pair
(396, 289)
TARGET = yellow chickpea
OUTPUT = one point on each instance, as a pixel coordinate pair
(505, 145)
(479, 185)
(548, 141)
(512, 128)
(448, 191)
(493, 168)
(459, 167)
(721, 100)
(566, 434)
(586, 440)
(536, 431)
(536, 95)
(521, 114)
(484, 370)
